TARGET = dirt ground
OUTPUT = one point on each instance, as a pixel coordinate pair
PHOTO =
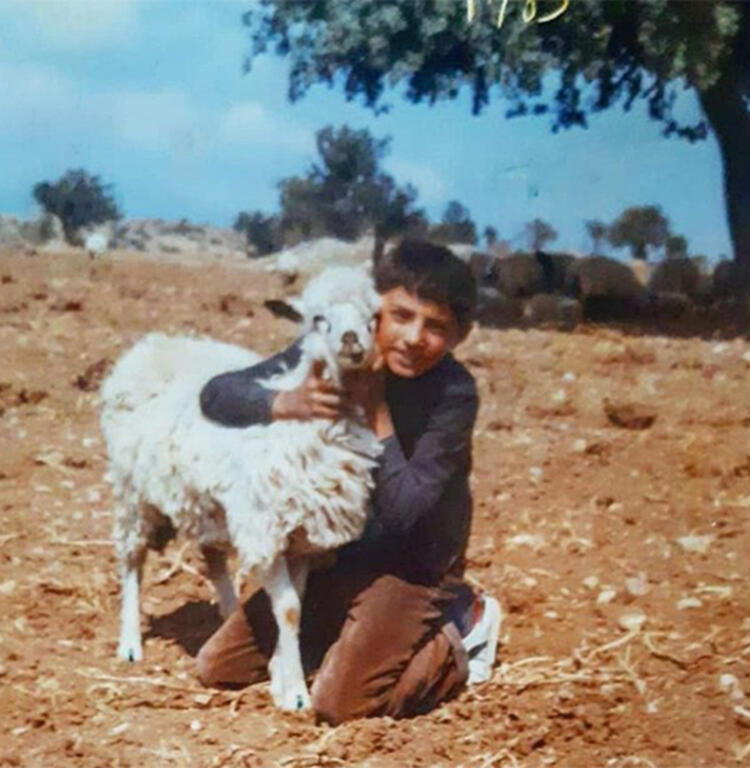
(619, 554)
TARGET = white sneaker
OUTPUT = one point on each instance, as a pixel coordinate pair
(481, 642)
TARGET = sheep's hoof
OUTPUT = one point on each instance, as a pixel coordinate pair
(129, 652)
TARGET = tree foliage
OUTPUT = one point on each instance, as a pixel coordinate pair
(490, 236)
(345, 193)
(455, 226)
(538, 233)
(261, 231)
(600, 53)
(675, 247)
(597, 230)
(78, 199)
(639, 228)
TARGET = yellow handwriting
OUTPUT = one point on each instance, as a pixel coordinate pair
(528, 12)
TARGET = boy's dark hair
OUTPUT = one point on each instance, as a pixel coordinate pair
(432, 272)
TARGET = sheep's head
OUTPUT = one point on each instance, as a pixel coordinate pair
(337, 310)
(339, 306)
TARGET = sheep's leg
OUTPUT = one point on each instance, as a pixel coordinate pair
(216, 567)
(288, 687)
(298, 571)
(130, 647)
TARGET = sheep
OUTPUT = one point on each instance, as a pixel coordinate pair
(276, 493)
(606, 288)
(680, 276)
(551, 309)
(494, 310)
(555, 268)
(518, 276)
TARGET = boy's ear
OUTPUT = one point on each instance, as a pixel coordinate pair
(462, 333)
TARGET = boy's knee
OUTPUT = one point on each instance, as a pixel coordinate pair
(206, 666)
(332, 701)
(327, 709)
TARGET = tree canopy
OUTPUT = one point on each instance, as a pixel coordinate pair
(639, 228)
(538, 233)
(344, 193)
(455, 226)
(602, 53)
(260, 231)
(597, 230)
(78, 199)
(676, 247)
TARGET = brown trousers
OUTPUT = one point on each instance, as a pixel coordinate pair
(381, 645)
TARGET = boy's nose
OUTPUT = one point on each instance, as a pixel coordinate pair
(413, 335)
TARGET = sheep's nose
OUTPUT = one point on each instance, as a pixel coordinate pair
(350, 337)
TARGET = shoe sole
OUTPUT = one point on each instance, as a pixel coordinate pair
(496, 614)
(493, 615)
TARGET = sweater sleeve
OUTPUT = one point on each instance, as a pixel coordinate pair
(236, 399)
(408, 488)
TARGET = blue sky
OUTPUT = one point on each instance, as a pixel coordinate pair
(150, 95)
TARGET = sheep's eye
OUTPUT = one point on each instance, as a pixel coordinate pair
(320, 322)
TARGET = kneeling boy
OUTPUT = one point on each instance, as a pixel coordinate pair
(391, 628)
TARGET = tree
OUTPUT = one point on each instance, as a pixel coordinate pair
(344, 193)
(602, 52)
(456, 226)
(675, 247)
(597, 230)
(490, 236)
(260, 231)
(538, 233)
(638, 228)
(78, 199)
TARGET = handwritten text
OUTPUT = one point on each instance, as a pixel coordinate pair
(528, 13)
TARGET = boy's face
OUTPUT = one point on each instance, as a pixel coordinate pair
(414, 334)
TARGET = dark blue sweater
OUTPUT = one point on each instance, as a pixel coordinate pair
(422, 505)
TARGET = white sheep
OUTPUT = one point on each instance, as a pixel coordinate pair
(276, 493)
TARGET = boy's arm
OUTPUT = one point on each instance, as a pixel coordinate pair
(409, 488)
(236, 399)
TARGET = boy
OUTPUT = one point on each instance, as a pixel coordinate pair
(391, 627)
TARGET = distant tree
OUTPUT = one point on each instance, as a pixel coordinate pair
(78, 199)
(675, 247)
(456, 225)
(260, 230)
(638, 228)
(344, 193)
(597, 230)
(490, 236)
(538, 233)
(391, 208)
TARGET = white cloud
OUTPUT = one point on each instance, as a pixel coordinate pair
(250, 124)
(156, 120)
(32, 86)
(427, 180)
(75, 25)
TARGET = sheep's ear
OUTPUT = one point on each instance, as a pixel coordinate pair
(289, 310)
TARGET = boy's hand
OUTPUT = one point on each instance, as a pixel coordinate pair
(315, 398)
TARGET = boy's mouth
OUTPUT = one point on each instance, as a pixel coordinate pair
(406, 359)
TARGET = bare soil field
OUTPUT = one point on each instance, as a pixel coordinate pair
(612, 497)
